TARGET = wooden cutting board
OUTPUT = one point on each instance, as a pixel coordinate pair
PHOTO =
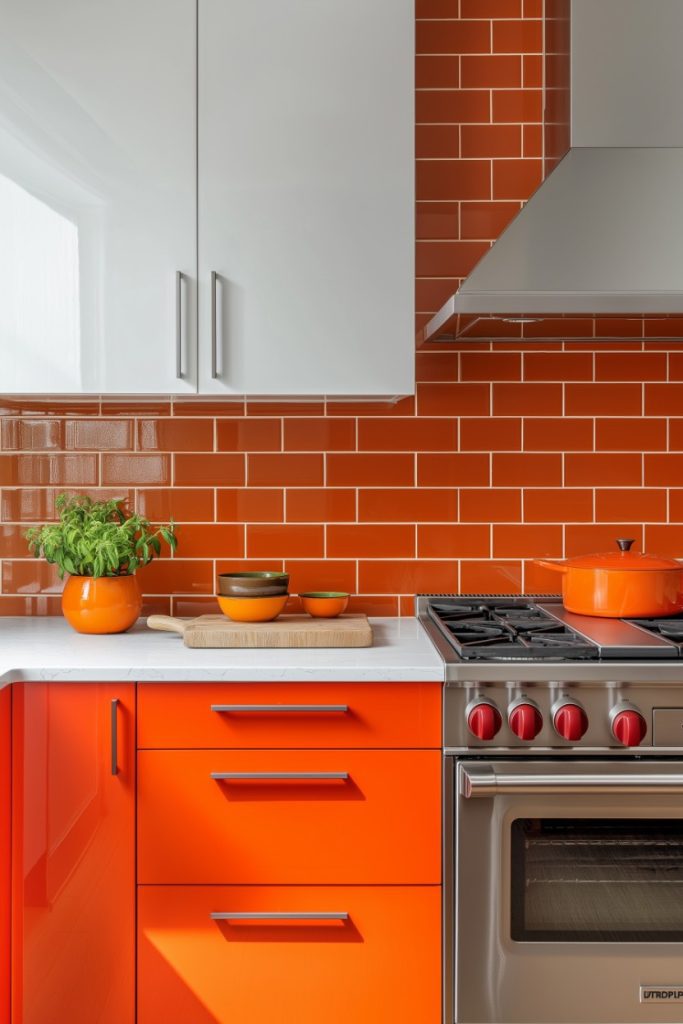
(286, 631)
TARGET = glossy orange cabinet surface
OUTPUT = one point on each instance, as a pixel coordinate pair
(289, 816)
(325, 715)
(73, 855)
(5, 849)
(381, 964)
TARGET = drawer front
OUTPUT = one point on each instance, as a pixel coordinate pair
(382, 962)
(378, 824)
(194, 715)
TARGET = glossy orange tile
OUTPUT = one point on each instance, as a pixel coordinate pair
(435, 367)
(285, 408)
(129, 470)
(437, 220)
(136, 405)
(646, 505)
(558, 366)
(603, 470)
(359, 541)
(288, 541)
(663, 470)
(49, 469)
(603, 399)
(320, 435)
(408, 577)
(461, 469)
(453, 179)
(409, 434)
(517, 106)
(663, 399)
(587, 539)
(254, 434)
(320, 505)
(32, 434)
(37, 405)
(373, 604)
(448, 399)
(437, 141)
(516, 179)
(558, 505)
(362, 469)
(491, 72)
(560, 434)
(418, 505)
(447, 258)
(538, 580)
(521, 541)
(211, 540)
(442, 106)
(29, 577)
(493, 577)
(40, 605)
(489, 434)
(13, 542)
(664, 540)
(487, 505)
(249, 505)
(486, 220)
(638, 366)
(518, 36)
(532, 75)
(527, 469)
(490, 366)
(208, 407)
(618, 434)
(676, 505)
(327, 574)
(453, 541)
(359, 407)
(527, 399)
(453, 36)
(209, 470)
(490, 9)
(182, 504)
(179, 435)
(284, 470)
(437, 71)
(168, 576)
(37, 505)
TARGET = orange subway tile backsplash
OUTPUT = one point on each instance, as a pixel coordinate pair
(509, 450)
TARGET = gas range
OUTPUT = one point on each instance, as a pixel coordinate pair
(522, 672)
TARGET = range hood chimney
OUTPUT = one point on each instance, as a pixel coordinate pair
(598, 249)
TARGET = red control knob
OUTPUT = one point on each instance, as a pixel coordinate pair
(484, 720)
(570, 721)
(525, 721)
(629, 728)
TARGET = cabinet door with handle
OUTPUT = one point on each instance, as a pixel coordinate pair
(97, 196)
(73, 853)
(305, 128)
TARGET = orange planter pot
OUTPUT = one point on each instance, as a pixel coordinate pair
(109, 604)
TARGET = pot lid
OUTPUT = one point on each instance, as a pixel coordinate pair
(623, 559)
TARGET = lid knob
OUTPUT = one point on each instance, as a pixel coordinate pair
(625, 545)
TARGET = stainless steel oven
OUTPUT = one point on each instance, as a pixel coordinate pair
(567, 890)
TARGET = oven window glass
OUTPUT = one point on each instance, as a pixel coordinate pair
(597, 880)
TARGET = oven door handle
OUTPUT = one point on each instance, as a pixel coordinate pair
(486, 781)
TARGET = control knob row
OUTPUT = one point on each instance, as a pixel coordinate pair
(569, 719)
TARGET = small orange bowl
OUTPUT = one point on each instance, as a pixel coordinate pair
(324, 604)
(252, 609)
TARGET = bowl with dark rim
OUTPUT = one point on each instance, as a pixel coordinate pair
(253, 584)
(325, 604)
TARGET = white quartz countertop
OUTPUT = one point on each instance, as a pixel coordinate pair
(49, 649)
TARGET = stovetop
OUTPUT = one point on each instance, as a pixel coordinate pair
(501, 629)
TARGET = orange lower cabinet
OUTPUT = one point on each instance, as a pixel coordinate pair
(295, 954)
(5, 849)
(73, 853)
(289, 817)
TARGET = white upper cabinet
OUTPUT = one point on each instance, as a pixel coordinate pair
(306, 213)
(210, 196)
(97, 196)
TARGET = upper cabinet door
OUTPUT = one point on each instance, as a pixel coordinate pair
(305, 127)
(97, 196)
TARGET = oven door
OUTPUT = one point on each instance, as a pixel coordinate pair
(568, 892)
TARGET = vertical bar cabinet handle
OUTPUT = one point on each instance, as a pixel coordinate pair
(179, 324)
(115, 736)
(214, 327)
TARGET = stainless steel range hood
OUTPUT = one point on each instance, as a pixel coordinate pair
(602, 238)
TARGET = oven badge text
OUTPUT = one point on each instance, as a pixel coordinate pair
(659, 993)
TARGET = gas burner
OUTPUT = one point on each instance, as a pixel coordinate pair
(467, 634)
(671, 628)
(557, 639)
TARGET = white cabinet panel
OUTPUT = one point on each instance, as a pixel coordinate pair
(306, 196)
(97, 195)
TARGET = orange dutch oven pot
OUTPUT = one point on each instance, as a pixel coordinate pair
(621, 584)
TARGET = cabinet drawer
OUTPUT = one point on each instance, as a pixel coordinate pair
(379, 824)
(289, 715)
(380, 963)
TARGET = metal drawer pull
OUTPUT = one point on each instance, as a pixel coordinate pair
(275, 708)
(214, 327)
(280, 776)
(483, 781)
(179, 324)
(114, 726)
(305, 915)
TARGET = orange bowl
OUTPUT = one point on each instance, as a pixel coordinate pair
(252, 609)
(324, 604)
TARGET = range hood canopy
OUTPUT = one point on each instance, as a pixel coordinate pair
(598, 249)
